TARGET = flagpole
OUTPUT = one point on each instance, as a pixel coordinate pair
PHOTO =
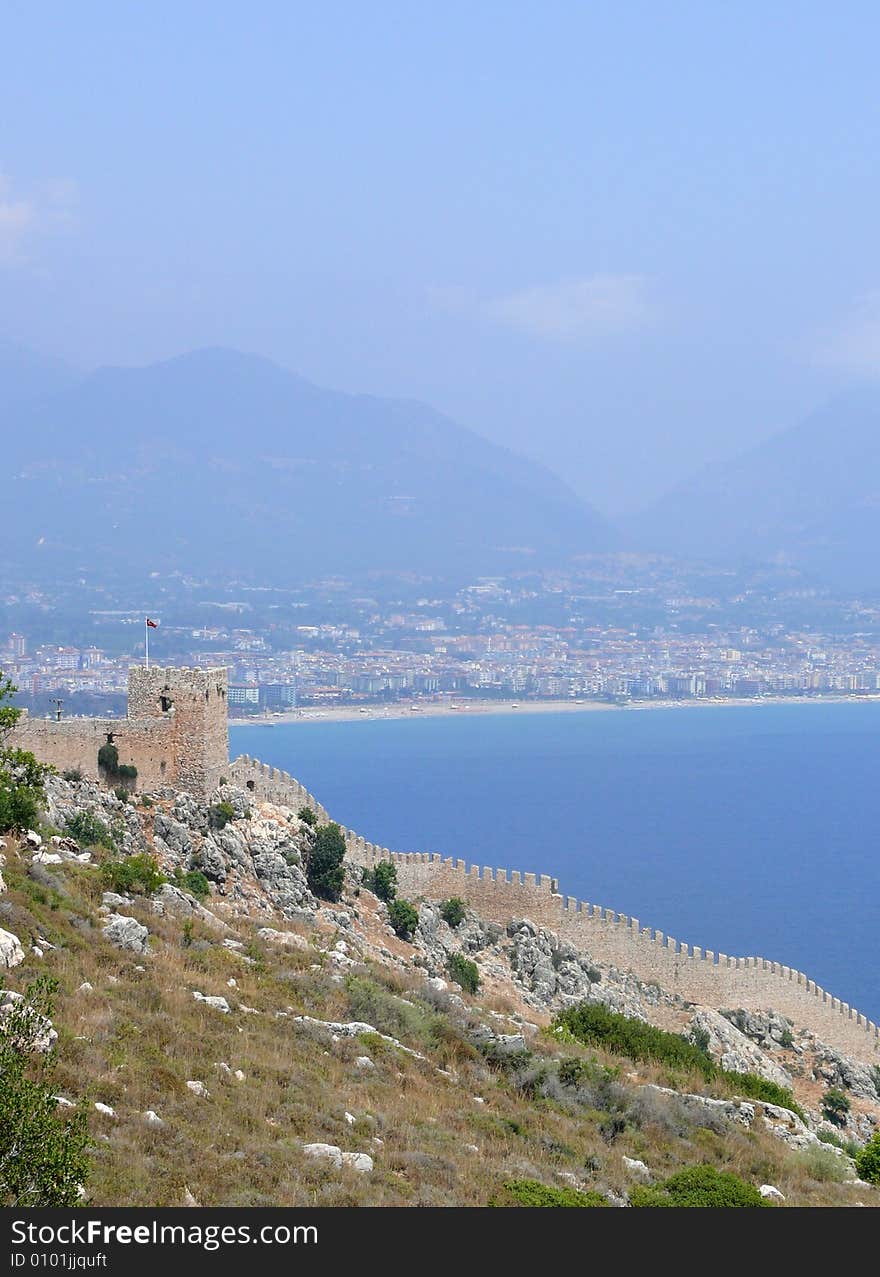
(147, 642)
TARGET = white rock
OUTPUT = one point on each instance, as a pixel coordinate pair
(361, 1162)
(63, 1102)
(769, 1190)
(105, 1109)
(49, 858)
(478, 1099)
(11, 952)
(218, 1004)
(113, 900)
(471, 1148)
(636, 1167)
(224, 1068)
(188, 1199)
(232, 983)
(152, 1118)
(364, 1062)
(238, 1075)
(437, 984)
(38, 953)
(85, 987)
(33, 839)
(2, 885)
(126, 933)
(350, 1118)
(199, 1089)
(289, 939)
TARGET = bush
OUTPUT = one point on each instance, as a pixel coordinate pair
(89, 830)
(463, 972)
(849, 1146)
(308, 817)
(43, 1157)
(121, 793)
(220, 815)
(594, 1024)
(384, 880)
(324, 869)
(139, 875)
(823, 1165)
(73, 774)
(754, 1087)
(699, 1186)
(403, 917)
(868, 1160)
(109, 764)
(531, 1192)
(835, 1106)
(193, 881)
(452, 911)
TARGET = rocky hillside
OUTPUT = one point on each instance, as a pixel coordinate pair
(251, 1045)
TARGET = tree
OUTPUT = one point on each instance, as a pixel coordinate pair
(21, 776)
(403, 917)
(385, 880)
(868, 1160)
(452, 911)
(324, 869)
(43, 1156)
(835, 1106)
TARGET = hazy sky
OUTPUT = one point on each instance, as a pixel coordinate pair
(624, 238)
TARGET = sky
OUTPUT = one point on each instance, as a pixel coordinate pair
(625, 239)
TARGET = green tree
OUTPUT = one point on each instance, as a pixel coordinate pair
(324, 869)
(385, 880)
(403, 917)
(835, 1106)
(21, 776)
(452, 911)
(43, 1156)
(464, 972)
(868, 1160)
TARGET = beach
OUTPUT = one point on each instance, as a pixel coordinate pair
(468, 708)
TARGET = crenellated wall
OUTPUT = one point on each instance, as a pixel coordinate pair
(698, 975)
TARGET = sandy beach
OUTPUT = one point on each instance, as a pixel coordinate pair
(471, 708)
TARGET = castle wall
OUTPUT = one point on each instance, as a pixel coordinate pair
(175, 732)
(697, 975)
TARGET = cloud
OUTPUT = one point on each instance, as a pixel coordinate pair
(577, 310)
(24, 216)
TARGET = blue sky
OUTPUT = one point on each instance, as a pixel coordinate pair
(625, 239)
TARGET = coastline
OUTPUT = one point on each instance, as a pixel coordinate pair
(477, 708)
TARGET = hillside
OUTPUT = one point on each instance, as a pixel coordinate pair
(264, 1047)
(226, 464)
(809, 496)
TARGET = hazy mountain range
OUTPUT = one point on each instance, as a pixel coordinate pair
(223, 463)
(226, 464)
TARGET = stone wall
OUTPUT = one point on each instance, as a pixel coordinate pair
(175, 732)
(698, 975)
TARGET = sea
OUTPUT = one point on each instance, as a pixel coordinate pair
(750, 830)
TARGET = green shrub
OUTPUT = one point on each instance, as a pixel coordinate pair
(452, 911)
(754, 1087)
(308, 817)
(193, 881)
(868, 1160)
(89, 830)
(109, 764)
(835, 1106)
(849, 1146)
(823, 1165)
(121, 793)
(463, 972)
(531, 1192)
(21, 776)
(384, 880)
(699, 1186)
(220, 815)
(139, 875)
(72, 774)
(594, 1024)
(403, 917)
(43, 1155)
(324, 868)
(786, 1040)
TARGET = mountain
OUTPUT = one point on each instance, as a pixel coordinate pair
(219, 462)
(809, 496)
(26, 375)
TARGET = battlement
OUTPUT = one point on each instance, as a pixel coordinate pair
(698, 975)
(174, 733)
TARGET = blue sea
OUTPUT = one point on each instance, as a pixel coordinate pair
(747, 829)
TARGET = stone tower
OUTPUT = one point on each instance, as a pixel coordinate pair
(192, 705)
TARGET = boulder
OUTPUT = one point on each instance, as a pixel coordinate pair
(771, 1193)
(198, 1088)
(126, 933)
(11, 952)
(361, 1162)
(216, 1003)
(733, 1049)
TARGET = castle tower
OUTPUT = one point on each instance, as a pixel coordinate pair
(192, 706)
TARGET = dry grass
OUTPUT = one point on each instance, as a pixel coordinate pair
(135, 1040)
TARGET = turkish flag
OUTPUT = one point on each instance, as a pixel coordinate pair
(154, 625)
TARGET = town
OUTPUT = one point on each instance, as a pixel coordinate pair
(619, 629)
